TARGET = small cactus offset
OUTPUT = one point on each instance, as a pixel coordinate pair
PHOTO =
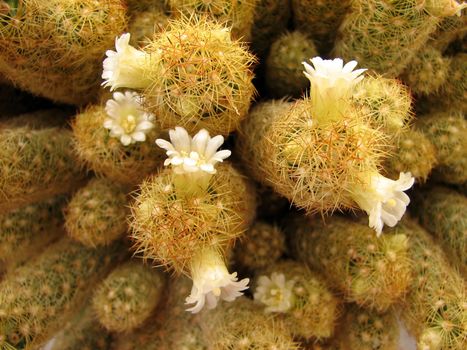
(449, 30)
(36, 164)
(144, 25)
(262, 246)
(442, 211)
(107, 156)
(24, 232)
(126, 297)
(353, 260)
(447, 130)
(299, 297)
(96, 215)
(413, 152)
(434, 309)
(53, 48)
(284, 68)
(37, 298)
(237, 14)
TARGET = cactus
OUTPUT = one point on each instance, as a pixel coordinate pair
(237, 14)
(442, 212)
(385, 36)
(263, 245)
(415, 153)
(321, 19)
(284, 68)
(191, 75)
(38, 297)
(243, 325)
(172, 228)
(126, 298)
(447, 130)
(449, 30)
(434, 310)
(353, 260)
(24, 232)
(96, 215)
(14, 101)
(271, 18)
(427, 71)
(53, 49)
(299, 297)
(145, 24)
(40, 119)
(106, 155)
(35, 164)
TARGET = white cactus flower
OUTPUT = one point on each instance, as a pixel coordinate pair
(126, 66)
(275, 292)
(383, 199)
(127, 119)
(212, 281)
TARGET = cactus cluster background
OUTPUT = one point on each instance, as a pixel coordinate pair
(233, 174)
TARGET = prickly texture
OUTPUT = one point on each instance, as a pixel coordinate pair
(386, 101)
(35, 165)
(171, 228)
(106, 155)
(312, 164)
(315, 309)
(447, 131)
(427, 71)
(82, 332)
(384, 35)
(263, 245)
(144, 25)
(242, 324)
(353, 259)
(442, 211)
(320, 18)
(450, 29)
(55, 48)
(203, 78)
(38, 297)
(96, 215)
(284, 68)
(434, 310)
(237, 14)
(126, 298)
(413, 152)
(367, 330)
(271, 19)
(27, 230)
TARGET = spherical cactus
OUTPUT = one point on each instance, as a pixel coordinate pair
(299, 297)
(96, 215)
(126, 298)
(144, 25)
(353, 260)
(284, 68)
(53, 48)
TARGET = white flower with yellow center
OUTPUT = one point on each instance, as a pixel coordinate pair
(383, 199)
(126, 66)
(193, 158)
(275, 292)
(332, 84)
(127, 119)
(212, 281)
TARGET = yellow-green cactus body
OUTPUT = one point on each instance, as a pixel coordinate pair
(237, 14)
(449, 30)
(354, 260)
(442, 212)
(36, 164)
(106, 155)
(284, 68)
(38, 297)
(126, 298)
(96, 215)
(55, 48)
(434, 309)
(172, 228)
(304, 303)
(27, 230)
(146, 19)
(201, 81)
